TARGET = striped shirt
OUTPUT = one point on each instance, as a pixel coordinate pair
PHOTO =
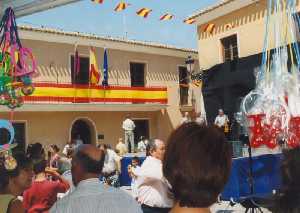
(91, 196)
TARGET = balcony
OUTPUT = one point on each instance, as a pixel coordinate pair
(68, 97)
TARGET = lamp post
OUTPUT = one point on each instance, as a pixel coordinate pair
(190, 64)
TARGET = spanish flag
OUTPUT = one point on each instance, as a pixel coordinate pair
(121, 6)
(98, 1)
(94, 71)
(209, 28)
(144, 12)
(166, 17)
(189, 21)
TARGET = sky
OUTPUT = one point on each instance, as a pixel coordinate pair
(101, 19)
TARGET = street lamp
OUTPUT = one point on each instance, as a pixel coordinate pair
(190, 64)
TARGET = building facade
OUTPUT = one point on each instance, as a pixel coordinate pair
(148, 81)
(231, 38)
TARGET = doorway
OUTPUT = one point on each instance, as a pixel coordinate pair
(141, 129)
(85, 129)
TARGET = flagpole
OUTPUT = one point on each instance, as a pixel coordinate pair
(125, 26)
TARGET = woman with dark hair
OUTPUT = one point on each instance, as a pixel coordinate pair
(288, 199)
(13, 181)
(43, 193)
(197, 165)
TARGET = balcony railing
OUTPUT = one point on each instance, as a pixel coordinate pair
(69, 93)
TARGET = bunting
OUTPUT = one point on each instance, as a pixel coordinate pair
(228, 26)
(121, 6)
(98, 1)
(166, 17)
(209, 28)
(189, 21)
(144, 12)
(94, 71)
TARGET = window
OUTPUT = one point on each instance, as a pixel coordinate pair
(20, 136)
(82, 77)
(230, 48)
(183, 85)
(137, 74)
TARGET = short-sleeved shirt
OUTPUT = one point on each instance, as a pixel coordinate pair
(110, 161)
(42, 195)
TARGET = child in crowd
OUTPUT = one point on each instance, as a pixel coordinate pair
(132, 170)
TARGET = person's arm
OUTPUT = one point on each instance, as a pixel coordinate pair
(64, 186)
(15, 206)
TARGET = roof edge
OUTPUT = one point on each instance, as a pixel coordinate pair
(97, 37)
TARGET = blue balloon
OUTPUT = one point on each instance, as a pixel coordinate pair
(5, 124)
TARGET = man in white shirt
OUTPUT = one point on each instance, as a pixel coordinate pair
(90, 195)
(142, 144)
(112, 166)
(129, 126)
(221, 120)
(153, 191)
(78, 141)
(121, 147)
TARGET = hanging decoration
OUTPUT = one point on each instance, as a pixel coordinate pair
(189, 21)
(5, 149)
(167, 16)
(98, 1)
(121, 6)
(144, 12)
(209, 28)
(272, 110)
(228, 26)
(17, 64)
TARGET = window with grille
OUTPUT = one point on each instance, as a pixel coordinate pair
(230, 48)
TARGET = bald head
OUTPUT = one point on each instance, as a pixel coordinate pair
(87, 163)
(91, 151)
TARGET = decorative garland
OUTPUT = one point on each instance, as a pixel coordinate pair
(5, 150)
(17, 64)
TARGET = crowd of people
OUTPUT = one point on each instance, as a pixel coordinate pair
(185, 174)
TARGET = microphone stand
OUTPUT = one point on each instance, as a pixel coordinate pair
(249, 203)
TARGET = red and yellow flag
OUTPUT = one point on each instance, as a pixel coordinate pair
(144, 12)
(98, 1)
(167, 16)
(189, 21)
(94, 71)
(209, 28)
(121, 6)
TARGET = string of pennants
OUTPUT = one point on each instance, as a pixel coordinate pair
(144, 12)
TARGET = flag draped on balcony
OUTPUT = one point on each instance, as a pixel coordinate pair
(94, 71)
(144, 12)
(98, 1)
(121, 6)
(105, 69)
(167, 16)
